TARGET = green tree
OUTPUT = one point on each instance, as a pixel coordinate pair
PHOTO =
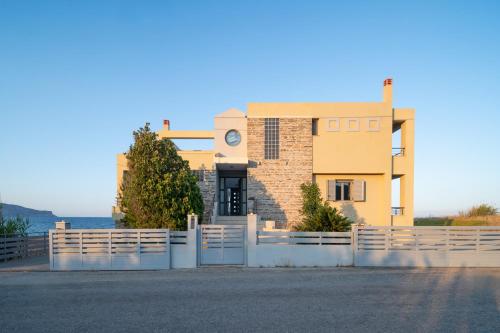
(159, 189)
(318, 215)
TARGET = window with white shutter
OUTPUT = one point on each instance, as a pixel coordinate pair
(331, 190)
(358, 190)
(346, 190)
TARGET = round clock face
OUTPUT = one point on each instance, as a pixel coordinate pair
(233, 138)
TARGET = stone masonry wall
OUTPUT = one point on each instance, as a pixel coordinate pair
(207, 187)
(275, 184)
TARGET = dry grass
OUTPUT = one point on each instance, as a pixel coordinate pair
(493, 220)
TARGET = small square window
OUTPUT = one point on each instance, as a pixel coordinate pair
(373, 124)
(353, 124)
(333, 124)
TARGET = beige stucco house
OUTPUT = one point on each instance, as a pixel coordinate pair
(260, 159)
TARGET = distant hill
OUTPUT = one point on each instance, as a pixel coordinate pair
(15, 210)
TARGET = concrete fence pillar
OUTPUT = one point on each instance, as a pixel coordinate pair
(252, 240)
(354, 242)
(191, 241)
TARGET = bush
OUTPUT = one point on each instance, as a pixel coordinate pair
(11, 226)
(159, 190)
(480, 210)
(318, 215)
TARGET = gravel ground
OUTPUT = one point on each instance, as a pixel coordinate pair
(244, 299)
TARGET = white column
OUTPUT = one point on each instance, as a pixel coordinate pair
(191, 241)
(252, 240)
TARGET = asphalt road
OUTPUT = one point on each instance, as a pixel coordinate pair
(240, 299)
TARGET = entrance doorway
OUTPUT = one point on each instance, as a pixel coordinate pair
(232, 194)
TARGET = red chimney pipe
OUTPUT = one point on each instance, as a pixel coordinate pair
(166, 124)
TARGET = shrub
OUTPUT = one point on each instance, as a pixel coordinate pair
(159, 189)
(480, 210)
(11, 226)
(318, 215)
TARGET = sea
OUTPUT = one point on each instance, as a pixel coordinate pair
(39, 224)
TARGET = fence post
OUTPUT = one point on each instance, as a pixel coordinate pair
(447, 233)
(168, 248)
(387, 232)
(192, 239)
(416, 239)
(27, 246)
(110, 251)
(252, 240)
(81, 247)
(354, 242)
(477, 239)
(138, 249)
(45, 245)
(51, 259)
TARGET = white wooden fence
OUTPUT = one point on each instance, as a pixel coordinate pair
(297, 249)
(22, 246)
(134, 249)
(123, 249)
(101, 249)
(475, 246)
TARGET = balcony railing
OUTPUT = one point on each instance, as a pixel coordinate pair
(397, 211)
(398, 152)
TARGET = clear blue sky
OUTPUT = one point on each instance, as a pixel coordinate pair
(76, 78)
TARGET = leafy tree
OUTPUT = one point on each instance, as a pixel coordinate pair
(159, 189)
(318, 215)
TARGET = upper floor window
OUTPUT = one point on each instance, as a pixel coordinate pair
(342, 190)
(271, 138)
(315, 126)
(346, 190)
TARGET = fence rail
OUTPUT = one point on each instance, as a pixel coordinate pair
(178, 237)
(22, 246)
(303, 238)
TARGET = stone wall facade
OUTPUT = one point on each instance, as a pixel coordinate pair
(275, 184)
(207, 187)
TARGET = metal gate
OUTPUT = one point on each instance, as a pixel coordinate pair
(222, 244)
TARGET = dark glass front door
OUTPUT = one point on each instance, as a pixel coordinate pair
(232, 196)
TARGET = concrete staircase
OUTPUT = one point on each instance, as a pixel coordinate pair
(231, 220)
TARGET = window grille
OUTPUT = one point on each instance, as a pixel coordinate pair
(272, 138)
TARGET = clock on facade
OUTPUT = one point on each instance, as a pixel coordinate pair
(233, 137)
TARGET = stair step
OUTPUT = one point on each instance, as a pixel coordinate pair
(231, 218)
(227, 220)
